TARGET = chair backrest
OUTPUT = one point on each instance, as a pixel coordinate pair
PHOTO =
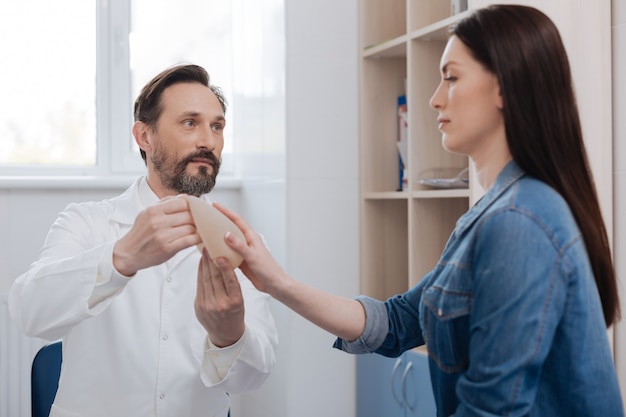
(45, 379)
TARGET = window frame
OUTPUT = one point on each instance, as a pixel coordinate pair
(114, 105)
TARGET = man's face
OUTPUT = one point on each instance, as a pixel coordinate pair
(187, 143)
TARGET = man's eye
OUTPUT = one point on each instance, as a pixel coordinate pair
(218, 127)
(189, 123)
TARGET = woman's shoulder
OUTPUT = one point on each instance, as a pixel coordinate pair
(541, 204)
(536, 196)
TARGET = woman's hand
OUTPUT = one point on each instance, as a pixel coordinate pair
(259, 265)
(340, 316)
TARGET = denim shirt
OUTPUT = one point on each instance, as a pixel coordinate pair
(510, 315)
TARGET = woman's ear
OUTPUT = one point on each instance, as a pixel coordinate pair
(499, 100)
(142, 138)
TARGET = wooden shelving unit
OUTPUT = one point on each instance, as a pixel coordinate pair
(403, 232)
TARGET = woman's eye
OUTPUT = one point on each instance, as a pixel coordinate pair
(449, 78)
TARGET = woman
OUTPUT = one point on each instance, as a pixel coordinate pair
(514, 313)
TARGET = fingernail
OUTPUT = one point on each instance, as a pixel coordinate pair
(228, 236)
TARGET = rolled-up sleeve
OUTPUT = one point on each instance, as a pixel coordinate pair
(375, 331)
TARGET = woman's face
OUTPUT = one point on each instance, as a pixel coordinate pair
(469, 103)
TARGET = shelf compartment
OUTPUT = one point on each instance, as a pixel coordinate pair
(382, 81)
(384, 248)
(431, 222)
(381, 20)
(424, 13)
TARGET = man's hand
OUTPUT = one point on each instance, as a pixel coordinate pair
(159, 232)
(219, 303)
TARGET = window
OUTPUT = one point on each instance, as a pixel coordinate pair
(77, 66)
(48, 102)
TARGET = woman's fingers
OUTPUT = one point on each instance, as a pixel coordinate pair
(245, 228)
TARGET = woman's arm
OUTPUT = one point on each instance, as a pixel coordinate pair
(341, 316)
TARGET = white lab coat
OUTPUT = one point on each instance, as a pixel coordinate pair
(133, 347)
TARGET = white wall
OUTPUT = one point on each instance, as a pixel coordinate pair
(301, 193)
(322, 192)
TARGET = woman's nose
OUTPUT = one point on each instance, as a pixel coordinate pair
(435, 100)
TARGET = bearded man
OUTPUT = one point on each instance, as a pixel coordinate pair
(149, 325)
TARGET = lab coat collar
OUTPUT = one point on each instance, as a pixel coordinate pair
(136, 198)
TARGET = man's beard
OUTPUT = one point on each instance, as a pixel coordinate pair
(174, 174)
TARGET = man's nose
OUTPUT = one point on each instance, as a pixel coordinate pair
(207, 138)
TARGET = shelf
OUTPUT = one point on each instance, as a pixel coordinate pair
(404, 195)
(393, 48)
(437, 31)
(448, 193)
(396, 47)
(386, 195)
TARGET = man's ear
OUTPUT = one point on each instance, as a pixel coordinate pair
(142, 138)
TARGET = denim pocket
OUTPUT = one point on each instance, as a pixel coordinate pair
(446, 322)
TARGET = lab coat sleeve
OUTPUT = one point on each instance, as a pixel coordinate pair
(73, 279)
(257, 348)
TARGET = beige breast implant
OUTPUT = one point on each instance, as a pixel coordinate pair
(212, 225)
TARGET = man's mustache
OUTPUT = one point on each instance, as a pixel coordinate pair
(203, 154)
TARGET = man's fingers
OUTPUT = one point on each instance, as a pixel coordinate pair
(202, 266)
(173, 204)
(218, 281)
(229, 278)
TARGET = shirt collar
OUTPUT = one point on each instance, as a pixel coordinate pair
(146, 196)
(137, 197)
(509, 175)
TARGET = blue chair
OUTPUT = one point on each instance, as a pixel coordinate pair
(44, 379)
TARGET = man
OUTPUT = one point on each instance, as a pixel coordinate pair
(149, 325)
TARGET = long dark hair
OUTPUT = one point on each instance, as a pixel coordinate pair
(523, 48)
